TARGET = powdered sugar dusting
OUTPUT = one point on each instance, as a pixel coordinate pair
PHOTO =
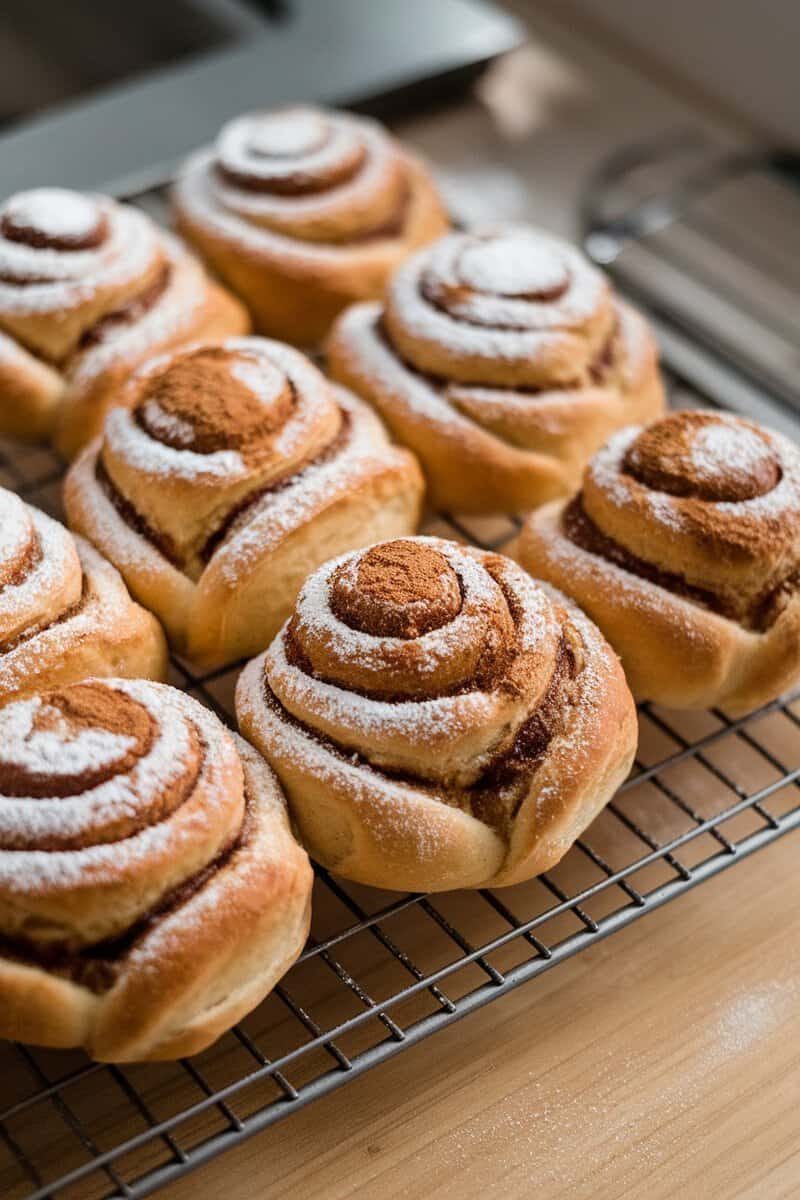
(365, 453)
(472, 334)
(55, 212)
(348, 183)
(161, 849)
(519, 264)
(58, 747)
(730, 447)
(289, 133)
(173, 316)
(63, 279)
(259, 375)
(446, 741)
(51, 582)
(436, 736)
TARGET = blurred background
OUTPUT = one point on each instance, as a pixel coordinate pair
(664, 136)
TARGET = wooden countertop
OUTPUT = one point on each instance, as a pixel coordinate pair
(661, 1062)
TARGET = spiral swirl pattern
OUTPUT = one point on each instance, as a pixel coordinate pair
(503, 350)
(432, 684)
(72, 257)
(313, 195)
(511, 306)
(684, 546)
(201, 431)
(40, 571)
(88, 289)
(705, 498)
(218, 455)
(116, 793)
(323, 177)
(150, 889)
(64, 612)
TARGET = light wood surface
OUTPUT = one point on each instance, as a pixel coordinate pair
(661, 1062)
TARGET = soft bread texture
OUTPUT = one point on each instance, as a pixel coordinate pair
(229, 473)
(88, 289)
(437, 719)
(684, 546)
(503, 360)
(147, 935)
(65, 612)
(302, 211)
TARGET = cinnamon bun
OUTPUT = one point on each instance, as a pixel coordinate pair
(302, 211)
(151, 891)
(230, 472)
(503, 359)
(683, 544)
(65, 613)
(88, 288)
(437, 718)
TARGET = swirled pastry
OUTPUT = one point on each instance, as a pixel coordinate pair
(151, 891)
(437, 718)
(683, 544)
(503, 360)
(88, 288)
(302, 211)
(65, 613)
(229, 473)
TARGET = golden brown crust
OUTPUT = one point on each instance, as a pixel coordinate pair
(302, 212)
(203, 950)
(229, 473)
(88, 289)
(65, 612)
(699, 595)
(467, 748)
(502, 359)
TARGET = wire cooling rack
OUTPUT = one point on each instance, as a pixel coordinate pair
(383, 970)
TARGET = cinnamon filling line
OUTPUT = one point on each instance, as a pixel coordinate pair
(127, 313)
(302, 185)
(599, 369)
(759, 615)
(233, 520)
(72, 611)
(98, 967)
(495, 797)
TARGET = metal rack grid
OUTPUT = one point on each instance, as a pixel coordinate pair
(383, 970)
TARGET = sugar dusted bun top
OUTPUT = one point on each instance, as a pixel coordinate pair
(115, 791)
(510, 306)
(710, 500)
(64, 252)
(303, 173)
(705, 456)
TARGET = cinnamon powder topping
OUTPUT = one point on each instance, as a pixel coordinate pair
(399, 589)
(215, 399)
(67, 714)
(699, 456)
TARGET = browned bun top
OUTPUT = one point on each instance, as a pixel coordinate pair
(400, 589)
(290, 151)
(304, 174)
(54, 219)
(68, 713)
(693, 454)
(508, 306)
(72, 265)
(202, 401)
(438, 666)
(113, 794)
(705, 504)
